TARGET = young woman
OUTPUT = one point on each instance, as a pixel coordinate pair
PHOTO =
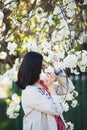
(41, 100)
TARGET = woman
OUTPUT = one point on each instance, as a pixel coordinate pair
(41, 100)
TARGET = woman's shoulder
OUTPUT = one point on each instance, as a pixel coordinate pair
(30, 88)
(32, 91)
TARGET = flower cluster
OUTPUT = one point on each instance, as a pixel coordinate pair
(11, 47)
(3, 55)
(69, 126)
(10, 4)
(11, 74)
(14, 107)
(70, 100)
(75, 62)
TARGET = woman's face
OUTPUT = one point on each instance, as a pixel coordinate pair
(44, 66)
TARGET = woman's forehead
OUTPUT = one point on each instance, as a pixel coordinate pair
(43, 61)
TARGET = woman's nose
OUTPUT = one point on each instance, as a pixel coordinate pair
(44, 66)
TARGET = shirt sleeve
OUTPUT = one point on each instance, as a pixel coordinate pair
(32, 98)
(65, 84)
(58, 100)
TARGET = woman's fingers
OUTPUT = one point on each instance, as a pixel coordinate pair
(50, 80)
(51, 76)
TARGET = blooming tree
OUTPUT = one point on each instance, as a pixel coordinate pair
(51, 27)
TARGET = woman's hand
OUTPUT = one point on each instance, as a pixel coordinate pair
(49, 82)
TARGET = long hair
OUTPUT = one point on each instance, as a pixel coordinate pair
(30, 69)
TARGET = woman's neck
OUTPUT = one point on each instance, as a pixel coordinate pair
(38, 80)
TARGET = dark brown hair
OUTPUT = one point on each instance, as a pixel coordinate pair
(30, 69)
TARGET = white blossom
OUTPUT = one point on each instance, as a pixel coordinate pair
(32, 1)
(39, 14)
(75, 93)
(50, 20)
(65, 106)
(3, 55)
(1, 37)
(60, 55)
(38, 2)
(85, 2)
(39, 10)
(2, 28)
(1, 77)
(58, 65)
(73, 34)
(80, 39)
(56, 10)
(70, 4)
(69, 126)
(57, 36)
(4, 89)
(47, 58)
(63, 24)
(10, 4)
(69, 97)
(74, 103)
(24, 26)
(11, 74)
(54, 36)
(46, 46)
(74, 71)
(10, 38)
(1, 17)
(83, 62)
(70, 12)
(32, 26)
(15, 21)
(15, 98)
(49, 69)
(14, 107)
(70, 61)
(31, 45)
(17, 64)
(78, 53)
(62, 33)
(43, 21)
(11, 47)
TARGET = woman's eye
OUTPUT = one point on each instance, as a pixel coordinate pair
(43, 65)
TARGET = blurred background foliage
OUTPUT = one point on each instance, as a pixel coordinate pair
(13, 22)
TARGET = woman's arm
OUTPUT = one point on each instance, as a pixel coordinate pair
(32, 98)
(65, 84)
